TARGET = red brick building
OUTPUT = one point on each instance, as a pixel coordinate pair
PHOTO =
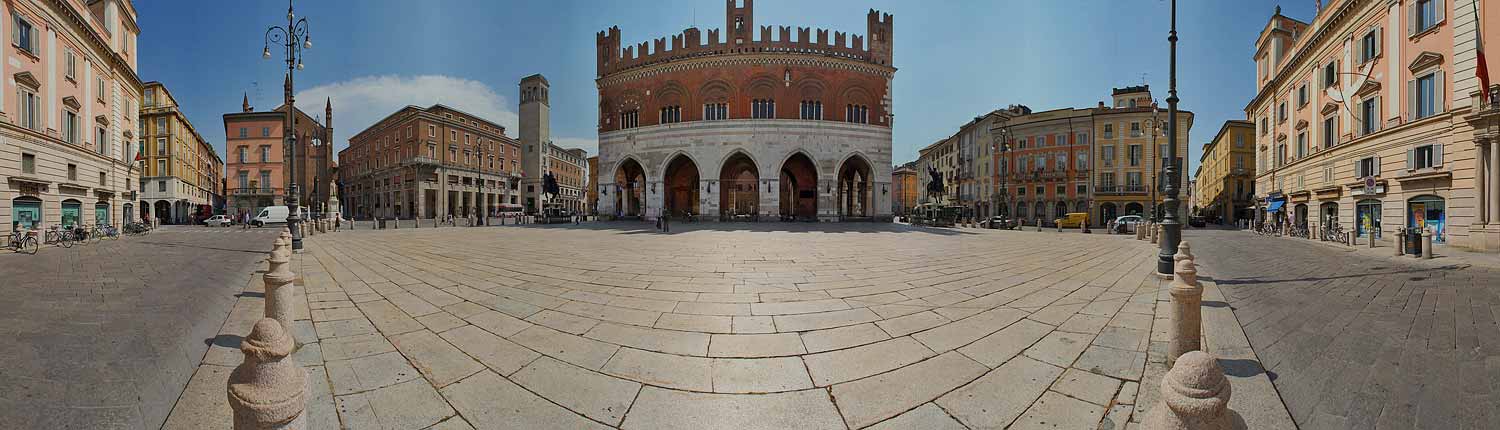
(429, 162)
(743, 125)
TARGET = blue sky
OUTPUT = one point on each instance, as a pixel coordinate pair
(956, 59)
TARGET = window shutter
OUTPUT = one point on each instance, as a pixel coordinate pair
(1438, 7)
(1379, 119)
(1410, 159)
(1439, 97)
(1411, 100)
(1377, 166)
(1437, 154)
(1379, 37)
(1359, 171)
(36, 40)
(15, 29)
(1411, 19)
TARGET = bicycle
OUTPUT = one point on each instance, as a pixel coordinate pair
(23, 241)
(109, 231)
(58, 236)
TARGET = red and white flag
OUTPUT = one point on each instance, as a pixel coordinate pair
(1483, 70)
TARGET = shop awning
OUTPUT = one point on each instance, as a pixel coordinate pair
(1275, 205)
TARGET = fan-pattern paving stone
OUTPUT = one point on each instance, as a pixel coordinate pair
(773, 326)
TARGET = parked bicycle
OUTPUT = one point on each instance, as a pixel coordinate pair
(58, 236)
(108, 231)
(23, 241)
(1336, 234)
(137, 228)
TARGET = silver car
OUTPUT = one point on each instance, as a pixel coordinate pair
(218, 221)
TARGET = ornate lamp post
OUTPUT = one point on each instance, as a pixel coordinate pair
(1171, 228)
(293, 38)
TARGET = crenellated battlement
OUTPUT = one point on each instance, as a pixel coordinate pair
(873, 47)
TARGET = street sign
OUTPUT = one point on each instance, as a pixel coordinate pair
(1369, 185)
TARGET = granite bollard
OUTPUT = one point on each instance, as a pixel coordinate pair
(268, 391)
(1187, 300)
(1194, 396)
(280, 291)
(1427, 244)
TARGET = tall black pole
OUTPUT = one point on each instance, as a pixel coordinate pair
(1171, 228)
(293, 37)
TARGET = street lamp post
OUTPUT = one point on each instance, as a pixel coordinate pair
(1171, 228)
(294, 38)
(1155, 170)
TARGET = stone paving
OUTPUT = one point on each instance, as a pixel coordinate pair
(1358, 341)
(773, 326)
(106, 335)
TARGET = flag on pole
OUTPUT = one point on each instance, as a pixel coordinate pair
(1482, 71)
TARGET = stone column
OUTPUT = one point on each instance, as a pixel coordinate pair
(1194, 396)
(1494, 179)
(278, 279)
(1187, 299)
(268, 391)
(1481, 179)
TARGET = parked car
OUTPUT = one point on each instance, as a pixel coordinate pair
(219, 221)
(1197, 221)
(999, 222)
(1125, 224)
(1071, 220)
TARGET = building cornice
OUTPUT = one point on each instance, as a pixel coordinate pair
(81, 26)
(748, 58)
(1327, 27)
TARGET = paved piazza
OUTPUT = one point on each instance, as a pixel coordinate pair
(106, 335)
(1360, 340)
(714, 326)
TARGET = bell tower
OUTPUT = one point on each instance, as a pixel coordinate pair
(536, 136)
(738, 22)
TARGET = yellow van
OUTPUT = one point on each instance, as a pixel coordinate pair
(1072, 220)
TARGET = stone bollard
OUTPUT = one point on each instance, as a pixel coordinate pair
(397, 224)
(1426, 244)
(1397, 244)
(1187, 300)
(1140, 231)
(268, 391)
(1372, 240)
(1194, 396)
(1155, 232)
(278, 280)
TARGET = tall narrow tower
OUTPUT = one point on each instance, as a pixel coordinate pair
(536, 136)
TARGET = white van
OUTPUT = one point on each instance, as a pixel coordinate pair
(270, 215)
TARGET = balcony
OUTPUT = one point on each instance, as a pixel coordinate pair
(255, 191)
(427, 161)
(1119, 190)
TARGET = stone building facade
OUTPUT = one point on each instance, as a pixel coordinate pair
(67, 145)
(181, 173)
(941, 156)
(1368, 118)
(256, 168)
(904, 188)
(1130, 150)
(591, 190)
(429, 162)
(1225, 187)
(744, 127)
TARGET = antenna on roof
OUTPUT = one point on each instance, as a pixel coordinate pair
(1143, 78)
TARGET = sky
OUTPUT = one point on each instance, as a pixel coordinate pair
(955, 60)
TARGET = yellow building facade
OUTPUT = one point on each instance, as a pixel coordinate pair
(181, 172)
(1225, 191)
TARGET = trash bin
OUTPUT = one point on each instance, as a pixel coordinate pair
(1414, 242)
(381, 221)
